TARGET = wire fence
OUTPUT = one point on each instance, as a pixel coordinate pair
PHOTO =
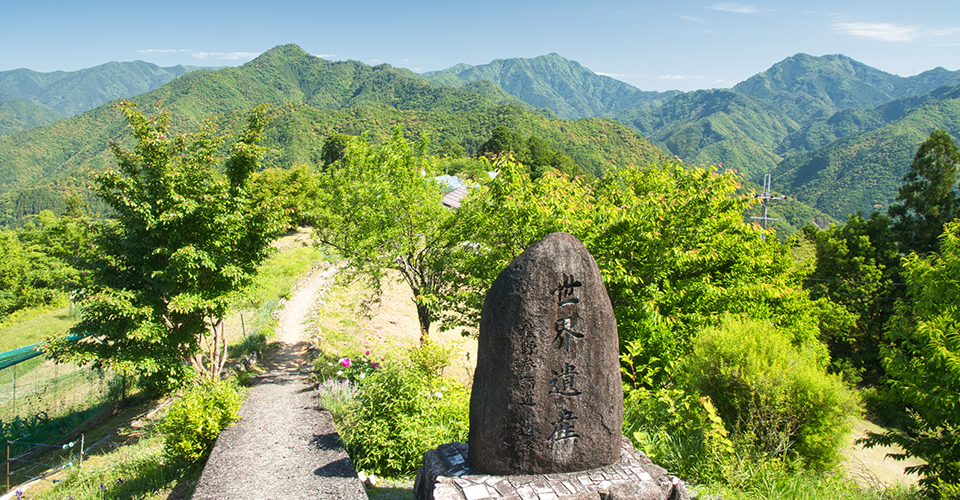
(42, 404)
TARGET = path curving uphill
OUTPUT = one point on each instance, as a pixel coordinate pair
(283, 446)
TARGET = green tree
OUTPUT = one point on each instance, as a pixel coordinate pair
(450, 149)
(857, 268)
(380, 211)
(185, 238)
(671, 244)
(922, 361)
(334, 148)
(39, 262)
(13, 270)
(542, 158)
(295, 190)
(495, 223)
(928, 200)
(503, 140)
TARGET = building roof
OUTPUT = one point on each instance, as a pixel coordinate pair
(452, 198)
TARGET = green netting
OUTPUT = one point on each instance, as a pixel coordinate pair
(10, 358)
(21, 354)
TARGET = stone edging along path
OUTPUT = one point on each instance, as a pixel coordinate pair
(283, 446)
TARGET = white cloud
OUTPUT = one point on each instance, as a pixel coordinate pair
(692, 18)
(942, 32)
(680, 77)
(611, 75)
(228, 56)
(737, 8)
(880, 31)
(325, 56)
(163, 51)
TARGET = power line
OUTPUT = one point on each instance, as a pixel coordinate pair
(856, 282)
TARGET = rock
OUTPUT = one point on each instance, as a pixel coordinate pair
(547, 395)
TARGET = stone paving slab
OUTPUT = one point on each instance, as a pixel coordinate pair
(446, 475)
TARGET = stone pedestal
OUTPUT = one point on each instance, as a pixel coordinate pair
(446, 475)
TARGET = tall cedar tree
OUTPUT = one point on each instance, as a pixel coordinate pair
(928, 200)
(185, 238)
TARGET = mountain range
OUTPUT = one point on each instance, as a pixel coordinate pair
(30, 99)
(835, 134)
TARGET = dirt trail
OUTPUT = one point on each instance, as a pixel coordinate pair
(283, 446)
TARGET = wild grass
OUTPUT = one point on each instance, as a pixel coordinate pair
(31, 326)
(138, 469)
(754, 477)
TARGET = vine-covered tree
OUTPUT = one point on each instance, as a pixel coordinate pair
(858, 268)
(185, 238)
(928, 200)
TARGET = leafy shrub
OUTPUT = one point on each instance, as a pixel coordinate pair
(431, 357)
(774, 397)
(194, 421)
(783, 480)
(338, 397)
(678, 431)
(402, 412)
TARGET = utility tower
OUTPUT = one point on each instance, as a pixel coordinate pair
(765, 198)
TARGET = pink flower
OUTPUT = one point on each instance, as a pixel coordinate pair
(345, 362)
(368, 352)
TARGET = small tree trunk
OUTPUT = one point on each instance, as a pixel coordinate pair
(218, 349)
(423, 314)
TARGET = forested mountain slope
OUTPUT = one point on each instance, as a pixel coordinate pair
(717, 126)
(314, 98)
(805, 87)
(63, 94)
(836, 133)
(863, 170)
(566, 87)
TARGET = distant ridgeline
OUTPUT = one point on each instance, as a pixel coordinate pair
(836, 135)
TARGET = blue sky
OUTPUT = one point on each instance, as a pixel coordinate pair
(652, 45)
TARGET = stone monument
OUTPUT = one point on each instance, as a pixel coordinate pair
(547, 395)
(546, 410)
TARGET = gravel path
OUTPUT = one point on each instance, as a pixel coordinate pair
(283, 446)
